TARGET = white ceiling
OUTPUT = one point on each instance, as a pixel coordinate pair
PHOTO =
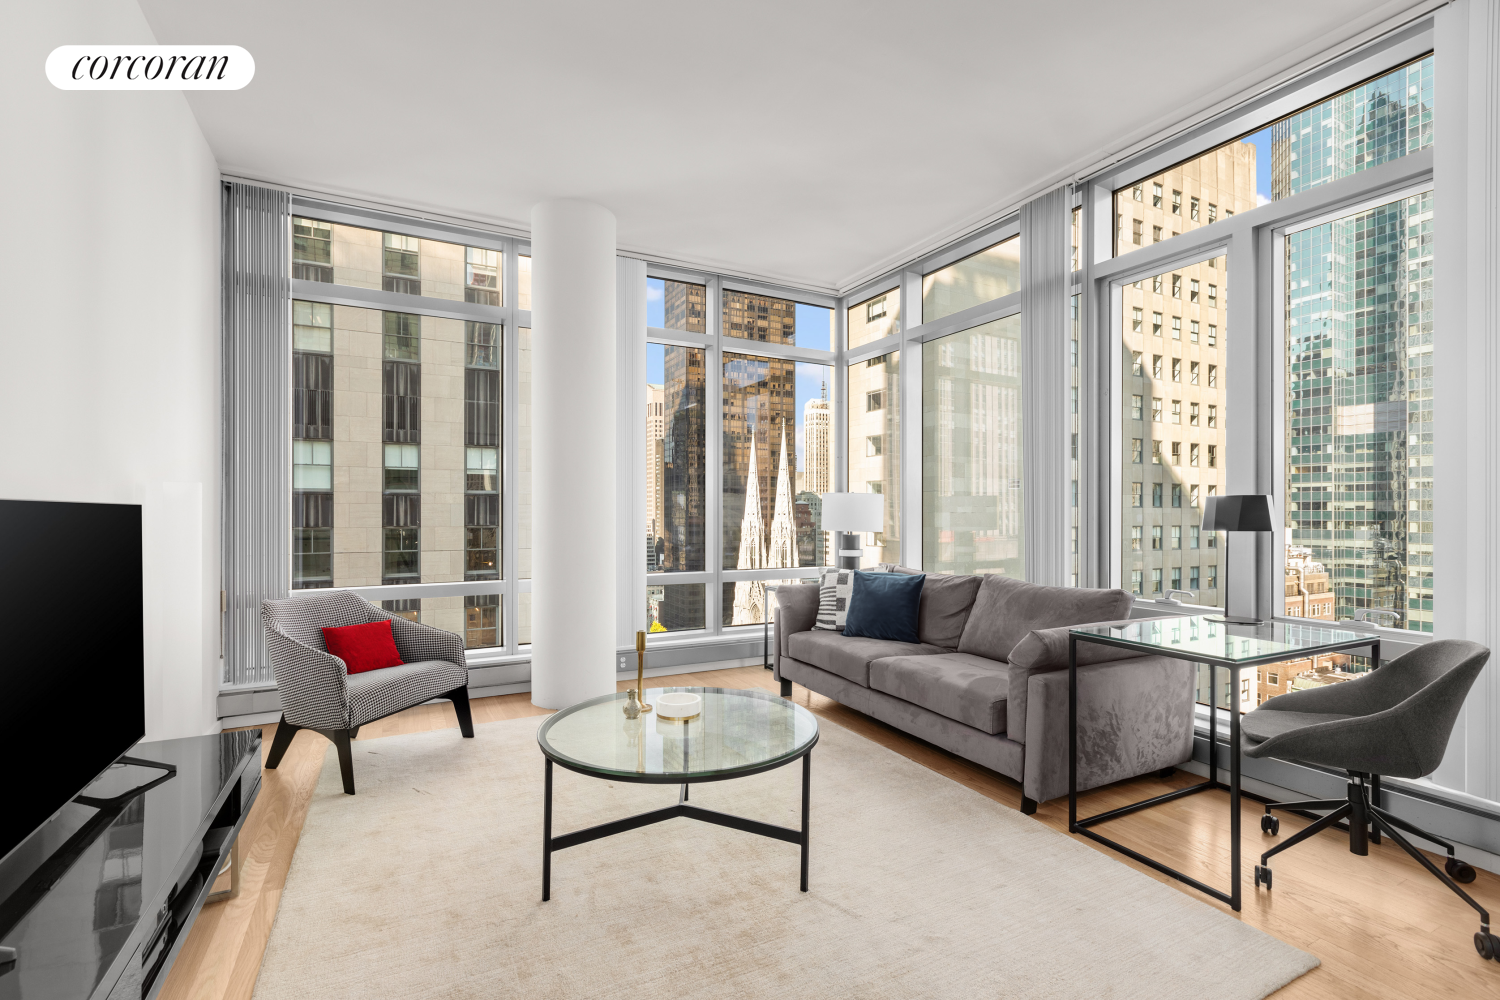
(795, 139)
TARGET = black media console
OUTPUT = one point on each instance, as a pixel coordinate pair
(97, 902)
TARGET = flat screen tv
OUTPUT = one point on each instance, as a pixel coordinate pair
(72, 660)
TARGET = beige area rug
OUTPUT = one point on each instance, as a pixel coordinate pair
(428, 884)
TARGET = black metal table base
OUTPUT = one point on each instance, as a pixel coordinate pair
(681, 809)
(1081, 827)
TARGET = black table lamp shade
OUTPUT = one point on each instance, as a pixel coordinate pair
(1242, 512)
(1238, 512)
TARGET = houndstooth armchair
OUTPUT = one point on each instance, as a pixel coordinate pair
(318, 693)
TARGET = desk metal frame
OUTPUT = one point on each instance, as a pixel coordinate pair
(1081, 826)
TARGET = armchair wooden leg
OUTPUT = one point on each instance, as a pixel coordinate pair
(346, 759)
(283, 739)
(460, 699)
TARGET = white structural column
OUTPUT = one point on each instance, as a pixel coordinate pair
(574, 488)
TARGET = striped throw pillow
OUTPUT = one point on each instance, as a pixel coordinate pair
(834, 589)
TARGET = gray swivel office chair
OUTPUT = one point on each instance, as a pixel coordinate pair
(1394, 721)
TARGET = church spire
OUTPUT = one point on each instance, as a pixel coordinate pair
(750, 595)
(783, 547)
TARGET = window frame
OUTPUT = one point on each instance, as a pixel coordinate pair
(1250, 242)
(510, 320)
(715, 345)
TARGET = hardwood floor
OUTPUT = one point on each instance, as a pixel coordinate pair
(1382, 926)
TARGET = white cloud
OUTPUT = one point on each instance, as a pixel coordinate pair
(1261, 199)
(653, 294)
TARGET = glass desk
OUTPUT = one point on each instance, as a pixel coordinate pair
(1218, 644)
(737, 733)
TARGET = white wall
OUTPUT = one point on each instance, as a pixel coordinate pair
(1466, 547)
(109, 343)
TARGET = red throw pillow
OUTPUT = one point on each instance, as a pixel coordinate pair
(363, 647)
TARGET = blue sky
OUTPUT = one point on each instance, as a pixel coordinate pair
(1262, 142)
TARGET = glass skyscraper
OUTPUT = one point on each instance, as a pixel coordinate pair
(1359, 353)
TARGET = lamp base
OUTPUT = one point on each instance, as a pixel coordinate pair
(1232, 620)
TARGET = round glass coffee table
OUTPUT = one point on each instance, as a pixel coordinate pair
(737, 733)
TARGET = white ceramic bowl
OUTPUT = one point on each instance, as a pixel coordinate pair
(678, 705)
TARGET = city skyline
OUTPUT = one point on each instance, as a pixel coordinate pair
(771, 430)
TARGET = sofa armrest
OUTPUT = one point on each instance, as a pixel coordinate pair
(1044, 650)
(416, 642)
(796, 611)
(1135, 716)
(314, 683)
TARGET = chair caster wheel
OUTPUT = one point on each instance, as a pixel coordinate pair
(1263, 876)
(1270, 824)
(1459, 871)
(1488, 945)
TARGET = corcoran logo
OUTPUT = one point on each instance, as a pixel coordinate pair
(150, 67)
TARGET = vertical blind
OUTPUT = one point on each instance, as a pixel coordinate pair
(257, 412)
(1046, 270)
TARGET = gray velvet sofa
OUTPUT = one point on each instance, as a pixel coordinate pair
(989, 681)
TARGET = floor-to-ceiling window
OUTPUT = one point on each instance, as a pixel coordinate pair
(971, 451)
(770, 520)
(1339, 428)
(739, 447)
(400, 363)
(1358, 472)
(874, 421)
(676, 456)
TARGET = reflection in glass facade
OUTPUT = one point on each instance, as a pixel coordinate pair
(988, 274)
(409, 265)
(1377, 121)
(971, 451)
(676, 305)
(1173, 422)
(876, 317)
(1359, 309)
(676, 501)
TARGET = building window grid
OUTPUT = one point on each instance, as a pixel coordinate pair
(398, 544)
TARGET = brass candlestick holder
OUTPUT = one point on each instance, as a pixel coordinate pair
(640, 671)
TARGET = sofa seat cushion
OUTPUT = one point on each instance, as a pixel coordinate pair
(959, 686)
(848, 656)
(375, 694)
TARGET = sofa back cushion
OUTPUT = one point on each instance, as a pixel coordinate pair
(946, 603)
(1006, 610)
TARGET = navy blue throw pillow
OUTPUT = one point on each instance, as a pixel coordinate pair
(884, 606)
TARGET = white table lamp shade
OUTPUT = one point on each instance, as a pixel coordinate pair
(853, 512)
